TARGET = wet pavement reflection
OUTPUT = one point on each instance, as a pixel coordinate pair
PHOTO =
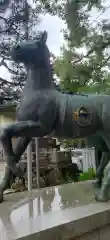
(28, 215)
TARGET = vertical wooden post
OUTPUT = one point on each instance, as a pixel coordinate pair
(29, 168)
(37, 163)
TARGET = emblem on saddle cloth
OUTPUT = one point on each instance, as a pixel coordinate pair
(83, 117)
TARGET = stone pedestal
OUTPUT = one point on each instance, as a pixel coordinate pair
(65, 212)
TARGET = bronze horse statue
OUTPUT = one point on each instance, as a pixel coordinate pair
(43, 110)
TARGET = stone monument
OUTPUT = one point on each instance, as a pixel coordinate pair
(43, 110)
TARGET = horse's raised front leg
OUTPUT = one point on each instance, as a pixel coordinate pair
(21, 145)
(19, 129)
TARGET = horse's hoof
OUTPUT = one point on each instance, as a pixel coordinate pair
(99, 197)
(1, 197)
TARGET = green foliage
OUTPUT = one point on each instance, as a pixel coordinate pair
(87, 175)
(84, 72)
(68, 143)
(20, 23)
(72, 143)
(77, 71)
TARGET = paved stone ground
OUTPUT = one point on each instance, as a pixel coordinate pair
(76, 197)
(10, 200)
(79, 194)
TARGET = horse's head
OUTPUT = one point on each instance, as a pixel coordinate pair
(32, 51)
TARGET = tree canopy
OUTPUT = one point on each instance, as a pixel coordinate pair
(18, 21)
(83, 65)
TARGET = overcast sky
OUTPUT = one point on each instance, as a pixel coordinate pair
(54, 25)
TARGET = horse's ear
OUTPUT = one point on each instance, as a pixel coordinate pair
(44, 37)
